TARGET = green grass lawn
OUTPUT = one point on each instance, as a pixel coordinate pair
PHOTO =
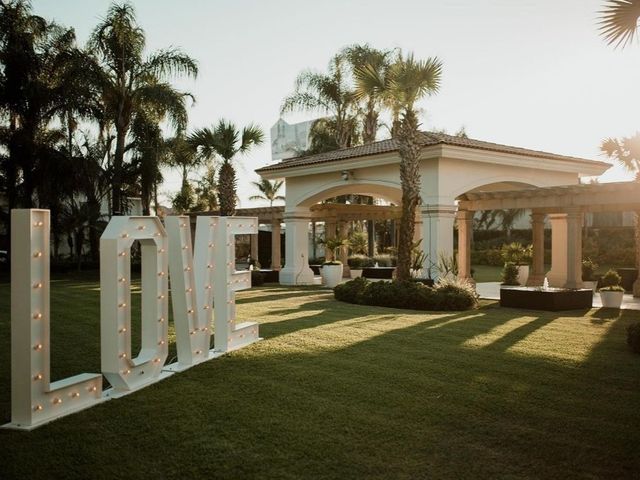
(345, 391)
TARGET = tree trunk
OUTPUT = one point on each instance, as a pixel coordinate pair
(118, 161)
(370, 125)
(636, 284)
(409, 149)
(227, 190)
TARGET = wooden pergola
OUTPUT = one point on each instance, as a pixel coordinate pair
(565, 207)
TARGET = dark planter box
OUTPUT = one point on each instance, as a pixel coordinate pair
(551, 299)
(316, 269)
(378, 272)
(270, 276)
(629, 276)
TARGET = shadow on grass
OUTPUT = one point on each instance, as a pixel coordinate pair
(404, 400)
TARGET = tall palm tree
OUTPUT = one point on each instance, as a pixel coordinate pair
(132, 84)
(619, 26)
(329, 94)
(407, 81)
(149, 148)
(226, 141)
(619, 21)
(268, 190)
(369, 63)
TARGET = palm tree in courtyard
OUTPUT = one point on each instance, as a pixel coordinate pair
(619, 26)
(226, 141)
(369, 63)
(132, 84)
(407, 81)
(329, 94)
(268, 190)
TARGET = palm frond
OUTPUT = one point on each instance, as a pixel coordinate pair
(626, 151)
(619, 21)
(164, 101)
(170, 63)
(251, 135)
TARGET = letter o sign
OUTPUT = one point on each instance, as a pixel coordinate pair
(124, 372)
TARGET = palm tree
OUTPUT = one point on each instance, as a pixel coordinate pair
(329, 94)
(226, 141)
(132, 84)
(149, 148)
(369, 63)
(619, 26)
(619, 21)
(268, 190)
(408, 81)
(207, 190)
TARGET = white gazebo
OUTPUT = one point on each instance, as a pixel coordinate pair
(450, 167)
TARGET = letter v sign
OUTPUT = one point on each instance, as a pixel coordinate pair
(203, 281)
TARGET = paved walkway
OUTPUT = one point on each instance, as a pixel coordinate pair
(491, 291)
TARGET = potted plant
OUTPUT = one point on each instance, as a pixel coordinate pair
(332, 269)
(357, 263)
(510, 274)
(520, 256)
(611, 293)
(588, 274)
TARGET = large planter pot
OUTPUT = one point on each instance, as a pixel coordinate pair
(590, 284)
(611, 299)
(523, 274)
(355, 273)
(331, 275)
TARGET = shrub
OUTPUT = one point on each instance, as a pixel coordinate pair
(350, 291)
(360, 261)
(588, 269)
(359, 242)
(385, 260)
(257, 278)
(510, 274)
(517, 253)
(633, 337)
(610, 279)
(456, 294)
(445, 295)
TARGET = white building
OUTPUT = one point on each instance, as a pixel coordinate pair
(288, 140)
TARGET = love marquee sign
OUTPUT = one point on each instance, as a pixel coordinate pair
(203, 286)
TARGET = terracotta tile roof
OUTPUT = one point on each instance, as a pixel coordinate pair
(428, 139)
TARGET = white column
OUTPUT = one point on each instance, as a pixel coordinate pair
(437, 232)
(566, 250)
(275, 245)
(465, 230)
(296, 270)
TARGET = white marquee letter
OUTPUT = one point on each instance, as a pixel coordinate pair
(125, 373)
(36, 400)
(228, 335)
(192, 276)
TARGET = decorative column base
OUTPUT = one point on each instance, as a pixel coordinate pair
(288, 276)
(296, 270)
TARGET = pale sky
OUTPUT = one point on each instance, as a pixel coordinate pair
(528, 73)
